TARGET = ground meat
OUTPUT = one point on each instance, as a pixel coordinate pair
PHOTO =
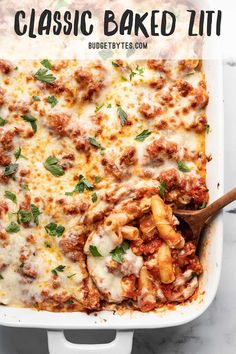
(91, 298)
(128, 157)
(184, 88)
(72, 242)
(6, 67)
(3, 208)
(90, 85)
(157, 65)
(200, 98)
(6, 139)
(160, 148)
(19, 107)
(2, 100)
(58, 123)
(111, 168)
(189, 64)
(158, 83)
(170, 178)
(147, 227)
(4, 159)
(29, 271)
(149, 111)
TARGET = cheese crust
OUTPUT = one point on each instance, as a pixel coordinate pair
(88, 150)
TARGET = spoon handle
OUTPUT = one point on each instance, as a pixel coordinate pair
(220, 203)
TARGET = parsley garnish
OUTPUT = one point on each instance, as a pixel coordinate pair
(25, 186)
(203, 205)
(137, 71)
(94, 197)
(162, 189)
(54, 230)
(1, 277)
(32, 120)
(109, 105)
(11, 196)
(51, 164)
(94, 251)
(25, 216)
(183, 167)
(123, 78)
(94, 142)
(36, 98)
(60, 269)
(11, 169)
(144, 135)
(71, 276)
(123, 115)
(52, 100)
(70, 302)
(46, 63)
(207, 128)
(43, 76)
(97, 179)
(12, 228)
(18, 154)
(99, 107)
(47, 244)
(118, 252)
(35, 213)
(81, 186)
(115, 64)
(2, 122)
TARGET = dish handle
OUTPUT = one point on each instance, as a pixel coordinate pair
(58, 344)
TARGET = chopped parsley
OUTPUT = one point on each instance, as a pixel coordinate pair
(36, 98)
(207, 128)
(70, 302)
(32, 120)
(54, 230)
(51, 164)
(137, 71)
(12, 228)
(122, 115)
(71, 276)
(162, 189)
(18, 154)
(11, 196)
(119, 251)
(183, 167)
(144, 135)
(35, 213)
(97, 179)
(109, 105)
(58, 269)
(81, 186)
(99, 107)
(2, 122)
(25, 187)
(115, 64)
(94, 142)
(1, 277)
(123, 78)
(43, 76)
(25, 216)
(46, 63)
(203, 205)
(94, 251)
(94, 197)
(11, 169)
(52, 100)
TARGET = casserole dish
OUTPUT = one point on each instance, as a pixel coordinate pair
(210, 258)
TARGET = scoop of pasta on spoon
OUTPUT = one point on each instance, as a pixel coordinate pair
(197, 219)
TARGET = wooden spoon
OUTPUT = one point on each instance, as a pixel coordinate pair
(197, 219)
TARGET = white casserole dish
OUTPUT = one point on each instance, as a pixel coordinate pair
(211, 259)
